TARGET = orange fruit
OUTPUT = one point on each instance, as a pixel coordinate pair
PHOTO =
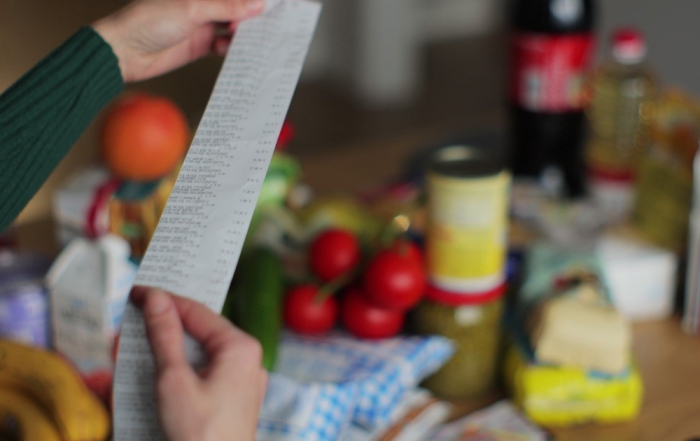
(143, 137)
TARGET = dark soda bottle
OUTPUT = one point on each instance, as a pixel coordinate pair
(551, 49)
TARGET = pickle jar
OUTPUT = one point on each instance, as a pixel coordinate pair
(473, 323)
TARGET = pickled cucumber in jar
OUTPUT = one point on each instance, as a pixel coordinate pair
(475, 329)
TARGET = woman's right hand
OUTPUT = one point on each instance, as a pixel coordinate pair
(223, 401)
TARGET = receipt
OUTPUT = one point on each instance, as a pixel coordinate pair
(199, 237)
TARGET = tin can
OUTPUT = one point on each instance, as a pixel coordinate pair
(466, 239)
(24, 306)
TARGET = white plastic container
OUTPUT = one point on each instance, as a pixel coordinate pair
(641, 277)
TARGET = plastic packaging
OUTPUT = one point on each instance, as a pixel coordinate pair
(552, 45)
(560, 396)
(94, 203)
(664, 186)
(500, 421)
(24, 304)
(641, 276)
(321, 385)
(623, 90)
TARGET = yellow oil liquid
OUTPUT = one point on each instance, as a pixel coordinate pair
(621, 106)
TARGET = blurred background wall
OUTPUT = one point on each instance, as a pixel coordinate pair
(386, 63)
(376, 67)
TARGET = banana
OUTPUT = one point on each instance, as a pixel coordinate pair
(23, 420)
(56, 387)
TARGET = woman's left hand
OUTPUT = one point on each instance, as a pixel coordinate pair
(152, 37)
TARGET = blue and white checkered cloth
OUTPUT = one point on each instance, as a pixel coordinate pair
(323, 384)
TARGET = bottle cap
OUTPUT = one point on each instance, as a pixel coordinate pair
(628, 46)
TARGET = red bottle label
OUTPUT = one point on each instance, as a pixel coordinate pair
(548, 70)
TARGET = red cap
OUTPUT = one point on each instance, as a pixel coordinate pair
(628, 45)
(611, 175)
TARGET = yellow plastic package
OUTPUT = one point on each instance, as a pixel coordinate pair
(557, 396)
(665, 173)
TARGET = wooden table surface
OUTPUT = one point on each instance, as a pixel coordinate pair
(669, 360)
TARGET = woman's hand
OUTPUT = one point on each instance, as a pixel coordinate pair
(151, 37)
(220, 403)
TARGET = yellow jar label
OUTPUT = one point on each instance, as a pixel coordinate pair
(467, 227)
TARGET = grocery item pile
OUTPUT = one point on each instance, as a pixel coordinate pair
(380, 313)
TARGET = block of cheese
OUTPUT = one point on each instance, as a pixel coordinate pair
(579, 329)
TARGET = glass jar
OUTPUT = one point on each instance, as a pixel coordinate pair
(473, 323)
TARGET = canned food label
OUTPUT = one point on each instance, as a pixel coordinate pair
(548, 70)
(466, 236)
(468, 315)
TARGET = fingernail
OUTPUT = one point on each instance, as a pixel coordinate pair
(255, 6)
(157, 303)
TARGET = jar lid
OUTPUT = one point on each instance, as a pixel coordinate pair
(451, 298)
(465, 161)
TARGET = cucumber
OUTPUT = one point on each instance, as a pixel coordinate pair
(254, 300)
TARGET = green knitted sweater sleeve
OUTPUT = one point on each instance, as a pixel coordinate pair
(45, 112)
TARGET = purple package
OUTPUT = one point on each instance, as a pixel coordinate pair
(24, 308)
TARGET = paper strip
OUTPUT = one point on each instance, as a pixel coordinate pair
(197, 243)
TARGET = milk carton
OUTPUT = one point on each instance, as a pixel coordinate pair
(89, 285)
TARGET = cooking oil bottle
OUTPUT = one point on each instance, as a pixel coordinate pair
(622, 91)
